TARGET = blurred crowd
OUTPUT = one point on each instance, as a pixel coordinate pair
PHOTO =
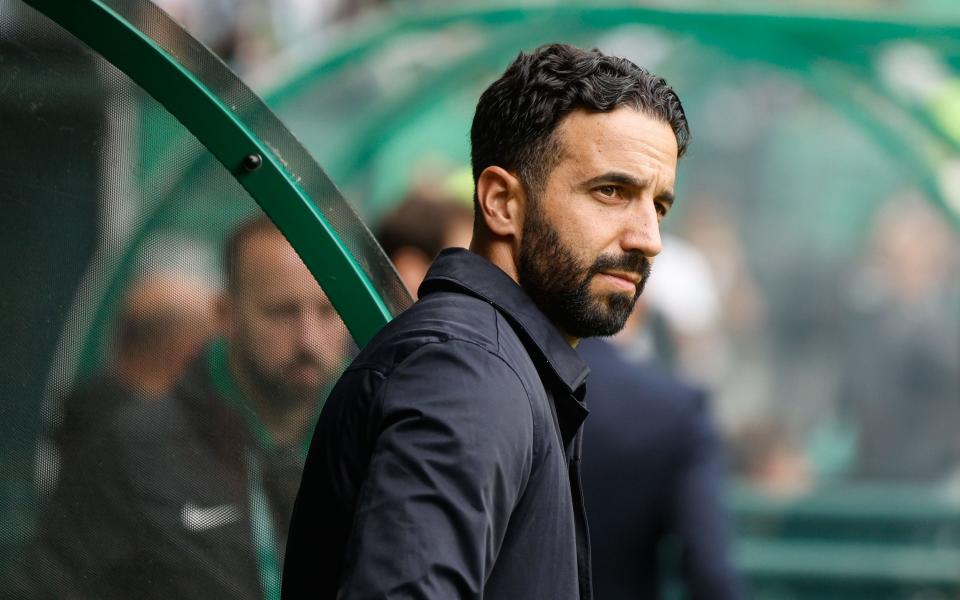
(824, 369)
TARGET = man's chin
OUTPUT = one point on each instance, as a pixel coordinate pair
(297, 396)
(610, 314)
(610, 302)
(304, 375)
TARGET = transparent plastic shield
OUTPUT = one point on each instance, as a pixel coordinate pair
(165, 350)
(809, 277)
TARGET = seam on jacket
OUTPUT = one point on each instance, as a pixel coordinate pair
(366, 366)
(496, 326)
(535, 439)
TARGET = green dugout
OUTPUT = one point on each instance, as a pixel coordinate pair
(128, 148)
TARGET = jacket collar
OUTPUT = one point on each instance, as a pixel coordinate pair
(479, 277)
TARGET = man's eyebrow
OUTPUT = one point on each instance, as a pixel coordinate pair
(622, 178)
(615, 177)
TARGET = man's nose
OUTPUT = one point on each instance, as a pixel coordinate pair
(641, 230)
(310, 330)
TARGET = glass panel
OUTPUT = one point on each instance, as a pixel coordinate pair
(255, 115)
(165, 350)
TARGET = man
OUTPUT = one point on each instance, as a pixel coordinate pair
(165, 319)
(446, 462)
(194, 500)
(653, 470)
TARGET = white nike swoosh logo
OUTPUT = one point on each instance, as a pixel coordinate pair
(200, 519)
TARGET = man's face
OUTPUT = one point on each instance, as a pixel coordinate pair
(286, 338)
(589, 236)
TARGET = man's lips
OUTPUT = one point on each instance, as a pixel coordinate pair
(304, 369)
(622, 279)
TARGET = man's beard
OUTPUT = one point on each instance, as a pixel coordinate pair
(559, 284)
(276, 386)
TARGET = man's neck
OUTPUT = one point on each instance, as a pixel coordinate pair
(142, 376)
(500, 254)
(287, 427)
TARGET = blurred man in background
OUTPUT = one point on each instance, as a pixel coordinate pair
(653, 475)
(902, 354)
(195, 497)
(417, 229)
(165, 319)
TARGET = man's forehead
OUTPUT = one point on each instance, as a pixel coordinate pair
(621, 137)
(267, 258)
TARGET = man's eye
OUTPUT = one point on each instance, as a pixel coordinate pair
(281, 312)
(607, 190)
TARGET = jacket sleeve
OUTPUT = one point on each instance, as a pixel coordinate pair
(701, 519)
(452, 456)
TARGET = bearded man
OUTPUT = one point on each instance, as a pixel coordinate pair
(194, 497)
(445, 463)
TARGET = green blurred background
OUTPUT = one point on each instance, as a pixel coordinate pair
(810, 280)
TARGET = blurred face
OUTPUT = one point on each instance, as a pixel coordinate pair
(590, 235)
(286, 339)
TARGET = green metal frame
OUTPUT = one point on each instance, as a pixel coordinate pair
(230, 140)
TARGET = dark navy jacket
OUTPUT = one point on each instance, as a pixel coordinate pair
(437, 469)
(653, 470)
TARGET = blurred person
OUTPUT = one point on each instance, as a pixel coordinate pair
(165, 319)
(654, 475)
(446, 463)
(417, 229)
(901, 379)
(769, 458)
(729, 350)
(194, 500)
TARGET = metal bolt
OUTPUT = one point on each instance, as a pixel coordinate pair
(252, 162)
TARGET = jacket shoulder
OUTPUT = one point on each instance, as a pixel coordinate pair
(439, 317)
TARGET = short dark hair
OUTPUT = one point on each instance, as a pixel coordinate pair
(233, 247)
(140, 333)
(517, 115)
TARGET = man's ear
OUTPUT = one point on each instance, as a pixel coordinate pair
(501, 198)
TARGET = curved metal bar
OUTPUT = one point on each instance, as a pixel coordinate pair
(853, 29)
(254, 165)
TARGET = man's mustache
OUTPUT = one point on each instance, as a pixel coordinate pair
(303, 359)
(632, 262)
